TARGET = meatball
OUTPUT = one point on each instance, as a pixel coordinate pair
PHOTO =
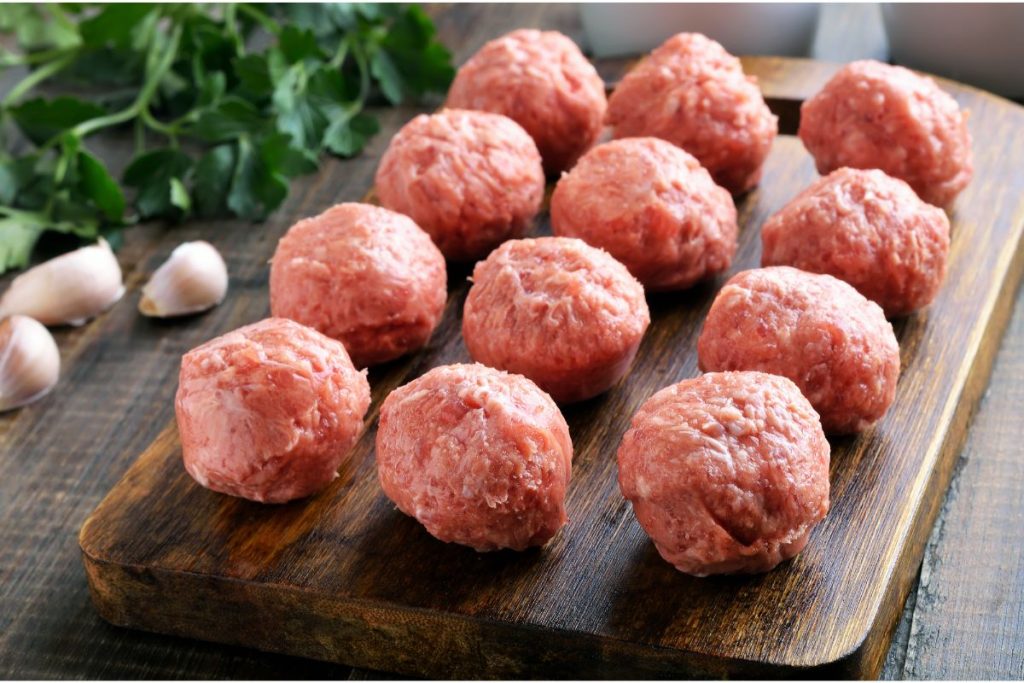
(269, 411)
(364, 275)
(568, 316)
(471, 179)
(867, 229)
(873, 115)
(653, 207)
(542, 81)
(694, 94)
(727, 472)
(478, 456)
(814, 329)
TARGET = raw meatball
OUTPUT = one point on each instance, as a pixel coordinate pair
(269, 411)
(568, 316)
(867, 229)
(364, 275)
(873, 115)
(814, 329)
(653, 207)
(480, 457)
(694, 94)
(727, 472)
(471, 179)
(542, 81)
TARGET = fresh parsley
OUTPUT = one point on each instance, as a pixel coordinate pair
(220, 125)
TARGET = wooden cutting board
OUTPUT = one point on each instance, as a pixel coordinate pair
(345, 577)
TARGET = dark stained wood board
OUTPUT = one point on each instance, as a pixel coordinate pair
(345, 577)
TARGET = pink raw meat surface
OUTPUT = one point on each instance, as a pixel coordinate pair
(873, 115)
(694, 94)
(269, 411)
(478, 456)
(567, 315)
(653, 207)
(868, 229)
(542, 81)
(816, 330)
(366, 276)
(727, 472)
(471, 179)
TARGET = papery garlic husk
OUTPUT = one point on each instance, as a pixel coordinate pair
(29, 361)
(193, 279)
(67, 290)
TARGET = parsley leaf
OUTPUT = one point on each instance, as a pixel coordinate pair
(151, 174)
(212, 180)
(42, 120)
(256, 187)
(17, 239)
(100, 187)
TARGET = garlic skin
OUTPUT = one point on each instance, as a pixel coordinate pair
(194, 278)
(67, 290)
(29, 361)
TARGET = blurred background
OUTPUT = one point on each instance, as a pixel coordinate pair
(981, 44)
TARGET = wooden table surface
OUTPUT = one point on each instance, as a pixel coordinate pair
(58, 458)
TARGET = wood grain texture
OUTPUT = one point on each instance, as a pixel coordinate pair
(345, 577)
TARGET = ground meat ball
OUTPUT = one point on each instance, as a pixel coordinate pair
(480, 457)
(873, 115)
(471, 179)
(568, 316)
(694, 94)
(542, 81)
(364, 275)
(727, 472)
(867, 229)
(653, 207)
(269, 411)
(814, 329)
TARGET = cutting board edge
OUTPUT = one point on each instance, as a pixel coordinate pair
(873, 644)
(760, 65)
(499, 649)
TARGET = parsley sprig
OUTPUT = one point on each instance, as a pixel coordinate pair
(220, 125)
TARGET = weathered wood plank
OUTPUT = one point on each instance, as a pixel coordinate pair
(968, 618)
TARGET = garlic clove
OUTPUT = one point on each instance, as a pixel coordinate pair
(67, 290)
(193, 279)
(29, 361)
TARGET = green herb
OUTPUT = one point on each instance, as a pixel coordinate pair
(220, 128)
